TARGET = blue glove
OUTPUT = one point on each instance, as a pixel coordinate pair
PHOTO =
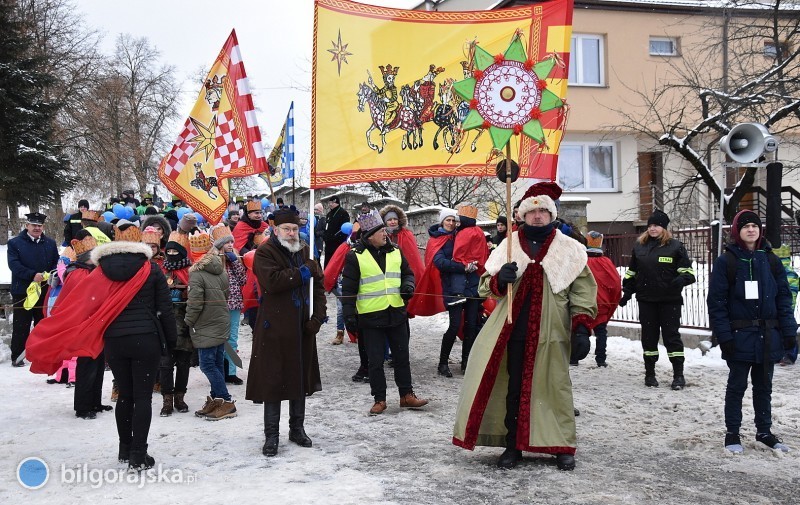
(231, 256)
(305, 274)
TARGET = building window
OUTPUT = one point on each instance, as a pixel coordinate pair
(771, 52)
(586, 61)
(587, 167)
(663, 46)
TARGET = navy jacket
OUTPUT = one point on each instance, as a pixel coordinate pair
(726, 303)
(455, 279)
(27, 258)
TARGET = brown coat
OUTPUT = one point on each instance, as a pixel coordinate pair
(284, 364)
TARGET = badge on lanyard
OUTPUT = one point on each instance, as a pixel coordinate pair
(751, 290)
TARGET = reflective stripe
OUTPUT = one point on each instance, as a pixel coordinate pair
(389, 291)
(378, 290)
(687, 270)
(630, 273)
(74, 221)
(374, 278)
(675, 354)
(651, 353)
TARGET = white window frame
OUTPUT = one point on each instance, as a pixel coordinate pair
(576, 60)
(671, 40)
(585, 165)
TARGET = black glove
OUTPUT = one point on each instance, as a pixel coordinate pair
(406, 291)
(624, 301)
(351, 324)
(727, 348)
(580, 343)
(312, 326)
(677, 282)
(507, 275)
(789, 343)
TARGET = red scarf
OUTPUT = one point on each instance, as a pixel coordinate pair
(77, 328)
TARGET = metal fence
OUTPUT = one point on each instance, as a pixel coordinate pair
(698, 243)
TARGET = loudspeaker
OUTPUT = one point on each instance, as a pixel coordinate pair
(746, 142)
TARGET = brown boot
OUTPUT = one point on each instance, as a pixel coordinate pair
(166, 410)
(209, 407)
(339, 338)
(114, 392)
(378, 408)
(224, 410)
(180, 405)
(410, 401)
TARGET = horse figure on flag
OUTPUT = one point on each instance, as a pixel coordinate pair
(445, 117)
(406, 119)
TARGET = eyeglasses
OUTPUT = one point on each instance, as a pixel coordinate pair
(288, 229)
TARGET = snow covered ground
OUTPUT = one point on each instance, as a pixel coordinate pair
(635, 445)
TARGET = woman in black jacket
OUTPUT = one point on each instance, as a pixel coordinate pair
(658, 271)
(135, 341)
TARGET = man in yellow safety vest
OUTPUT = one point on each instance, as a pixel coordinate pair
(376, 286)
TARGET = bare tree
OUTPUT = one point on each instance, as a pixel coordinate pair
(700, 99)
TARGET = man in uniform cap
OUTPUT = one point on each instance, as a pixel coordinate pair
(30, 255)
(74, 222)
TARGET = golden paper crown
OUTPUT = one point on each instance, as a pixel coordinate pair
(388, 69)
(180, 238)
(131, 234)
(81, 246)
(594, 240)
(199, 242)
(219, 231)
(91, 215)
(468, 211)
(253, 205)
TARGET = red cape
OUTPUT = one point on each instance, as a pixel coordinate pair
(68, 332)
(240, 233)
(334, 266)
(407, 243)
(250, 291)
(609, 287)
(73, 279)
(470, 245)
(428, 299)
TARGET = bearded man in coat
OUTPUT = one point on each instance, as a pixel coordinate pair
(284, 363)
(517, 392)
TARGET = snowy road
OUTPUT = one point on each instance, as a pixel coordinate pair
(635, 445)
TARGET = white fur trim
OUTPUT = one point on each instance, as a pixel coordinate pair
(564, 261)
(538, 202)
(119, 247)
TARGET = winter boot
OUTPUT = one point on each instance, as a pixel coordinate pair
(272, 419)
(297, 415)
(650, 371)
(209, 407)
(565, 462)
(139, 460)
(410, 401)
(180, 404)
(444, 370)
(85, 414)
(224, 410)
(733, 443)
(339, 338)
(233, 379)
(114, 391)
(678, 382)
(124, 452)
(166, 409)
(650, 380)
(378, 408)
(772, 441)
(362, 375)
(444, 356)
(509, 459)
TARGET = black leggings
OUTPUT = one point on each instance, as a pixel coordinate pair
(134, 362)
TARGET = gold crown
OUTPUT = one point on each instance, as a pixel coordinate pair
(131, 234)
(90, 215)
(84, 245)
(253, 205)
(180, 238)
(594, 240)
(468, 211)
(219, 231)
(388, 69)
(199, 242)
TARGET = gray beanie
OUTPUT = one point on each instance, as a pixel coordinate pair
(187, 222)
(220, 242)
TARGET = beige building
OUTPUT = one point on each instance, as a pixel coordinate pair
(621, 52)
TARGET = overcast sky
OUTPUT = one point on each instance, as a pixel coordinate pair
(275, 39)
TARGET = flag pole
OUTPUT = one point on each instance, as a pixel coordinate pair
(509, 212)
(310, 250)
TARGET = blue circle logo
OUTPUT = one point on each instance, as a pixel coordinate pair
(33, 473)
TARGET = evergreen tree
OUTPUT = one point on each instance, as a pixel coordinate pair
(33, 168)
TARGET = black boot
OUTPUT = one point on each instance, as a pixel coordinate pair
(650, 371)
(297, 415)
(124, 452)
(444, 356)
(272, 418)
(444, 370)
(565, 462)
(678, 382)
(139, 459)
(509, 459)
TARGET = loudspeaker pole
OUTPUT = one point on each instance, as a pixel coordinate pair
(773, 218)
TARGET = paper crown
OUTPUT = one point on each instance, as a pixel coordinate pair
(219, 231)
(594, 240)
(468, 211)
(84, 245)
(252, 206)
(91, 215)
(388, 69)
(370, 223)
(258, 238)
(199, 242)
(179, 238)
(151, 236)
(131, 233)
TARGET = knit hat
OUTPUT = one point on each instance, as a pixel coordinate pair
(125, 231)
(502, 220)
(468, 211)
(740, 220)
(541, 195)
(178, 238)
(220, 235)
(594, 241)
(151, 236)
(83, 203)
(90, 215)
(370, 223)
(253, 206)
(658, 218)
(283, 216)
(187, 222)
(390, 215)
(199, 242)
(319, 208)
(445, 213)
(84, 245)
(334, 199)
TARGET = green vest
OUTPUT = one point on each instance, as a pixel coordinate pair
(376, 290)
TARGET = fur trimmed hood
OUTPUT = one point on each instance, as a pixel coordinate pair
(120, 247)
(564, 261)
(210, 262)
(157, 218)
(401, 215)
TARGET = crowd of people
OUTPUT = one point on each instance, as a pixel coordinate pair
(153, 292)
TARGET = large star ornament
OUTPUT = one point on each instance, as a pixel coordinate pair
(339, 53)
(508, 94)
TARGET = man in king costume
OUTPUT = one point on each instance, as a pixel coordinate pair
(517, 392)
